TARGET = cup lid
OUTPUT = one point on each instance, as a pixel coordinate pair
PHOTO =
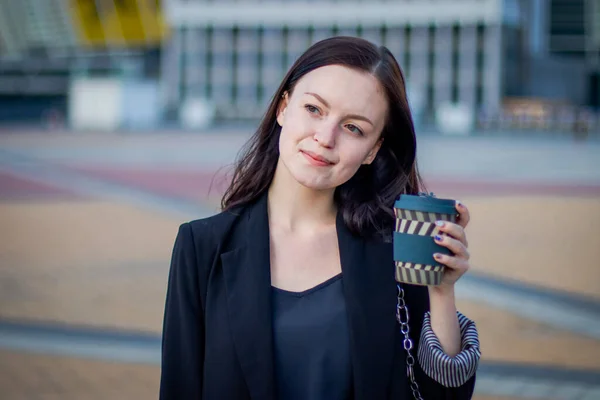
(426, 203)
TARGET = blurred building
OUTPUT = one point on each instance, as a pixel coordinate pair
(46, 44)
(232, 54)
(474, 52)
(550, 76)
(236, 52)
(573, 32)
(552, 44)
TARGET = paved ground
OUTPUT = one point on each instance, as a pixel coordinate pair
(45, 377)
(64, 378)
(87, 224)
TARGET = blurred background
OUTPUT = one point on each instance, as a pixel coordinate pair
(119, 120)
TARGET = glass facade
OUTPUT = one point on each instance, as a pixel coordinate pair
(238, 65)
(239, 68)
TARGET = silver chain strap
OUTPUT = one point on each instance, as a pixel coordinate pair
(402, 311)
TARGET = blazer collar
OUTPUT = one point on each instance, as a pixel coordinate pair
(370, 292)
(247, 276)
(370, 295)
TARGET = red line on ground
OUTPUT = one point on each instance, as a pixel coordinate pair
(14, 187)
(202, 184)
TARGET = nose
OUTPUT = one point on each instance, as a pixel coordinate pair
(325, 136)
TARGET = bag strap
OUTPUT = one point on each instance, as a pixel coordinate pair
(402, 317)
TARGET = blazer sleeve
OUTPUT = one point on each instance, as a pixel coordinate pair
(183, 325)
(418, 307)
(449, 371)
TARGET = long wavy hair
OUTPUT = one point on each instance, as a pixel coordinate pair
(366, 200)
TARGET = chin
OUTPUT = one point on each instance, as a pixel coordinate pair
(313, 182)
(312, 179)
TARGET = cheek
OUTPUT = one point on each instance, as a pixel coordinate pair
(295, 130)
(354, 156)
(287, 142)
(288, 147)
(351, 160)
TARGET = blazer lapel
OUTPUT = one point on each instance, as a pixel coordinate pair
(370, 292)
(248, 285)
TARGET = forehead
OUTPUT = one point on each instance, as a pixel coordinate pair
(346, 89)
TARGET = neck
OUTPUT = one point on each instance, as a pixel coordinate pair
(295, 207)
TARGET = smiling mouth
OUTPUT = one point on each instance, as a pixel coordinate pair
(316, 159)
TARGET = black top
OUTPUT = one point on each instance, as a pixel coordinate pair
(311, 343)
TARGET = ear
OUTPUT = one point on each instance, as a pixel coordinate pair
(373, 153)
(281, 108)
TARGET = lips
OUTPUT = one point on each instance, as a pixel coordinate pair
(316, 159)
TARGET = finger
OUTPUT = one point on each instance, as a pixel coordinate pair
(454, 230)
(455, 246)
(463, 214)
(455, 263)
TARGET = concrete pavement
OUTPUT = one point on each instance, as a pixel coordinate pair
(87, 224)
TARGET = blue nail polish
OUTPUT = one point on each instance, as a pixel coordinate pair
(439, 223)
(438, 238)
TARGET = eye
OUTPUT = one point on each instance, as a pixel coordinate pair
(354, 129)
(312, 109)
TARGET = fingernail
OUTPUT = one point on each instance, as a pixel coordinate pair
(461, 205)
(438, 238)
(437, 256)
(439, 223)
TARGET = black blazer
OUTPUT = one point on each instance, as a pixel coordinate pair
(217, 333)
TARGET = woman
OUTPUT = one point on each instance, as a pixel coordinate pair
(289, 293)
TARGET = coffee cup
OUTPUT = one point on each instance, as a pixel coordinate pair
(413, 239)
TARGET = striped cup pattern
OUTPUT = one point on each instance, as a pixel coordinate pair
(419, 223)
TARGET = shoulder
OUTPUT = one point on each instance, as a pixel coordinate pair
(197, 243)
(213, 225)
(208, 232)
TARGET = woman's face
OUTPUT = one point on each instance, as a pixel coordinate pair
(331, 125)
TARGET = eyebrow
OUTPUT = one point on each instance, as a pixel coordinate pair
(354, 116)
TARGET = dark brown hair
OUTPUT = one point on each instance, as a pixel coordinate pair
(366, 200)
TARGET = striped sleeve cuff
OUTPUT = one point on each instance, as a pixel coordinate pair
(446, 370)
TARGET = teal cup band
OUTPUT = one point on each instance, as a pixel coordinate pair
(416, 249)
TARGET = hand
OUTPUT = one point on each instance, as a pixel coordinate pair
(455, 239)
